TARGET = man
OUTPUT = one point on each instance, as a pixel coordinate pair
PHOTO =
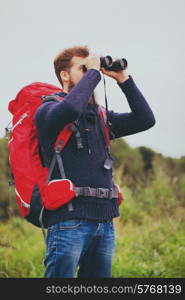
(82, 238)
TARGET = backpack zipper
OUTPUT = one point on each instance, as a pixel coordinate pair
(23, 203)
(19, 121)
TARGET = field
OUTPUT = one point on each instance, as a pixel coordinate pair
(147, 247)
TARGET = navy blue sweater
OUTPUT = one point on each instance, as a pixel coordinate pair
(85, 167)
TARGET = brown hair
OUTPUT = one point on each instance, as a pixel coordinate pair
(62, 61)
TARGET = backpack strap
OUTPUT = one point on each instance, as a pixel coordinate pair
(54, 97)
(60, 143)
(107, 124)
(63, 136)
(103, 118)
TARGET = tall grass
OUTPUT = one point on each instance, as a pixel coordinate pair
(21, 249)
(146, 246)
(150, 238)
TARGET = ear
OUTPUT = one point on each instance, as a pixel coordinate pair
(64, 75)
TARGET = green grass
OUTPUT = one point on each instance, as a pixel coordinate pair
(150, 247)
(21, 249)
(154, 249)
(150, 234)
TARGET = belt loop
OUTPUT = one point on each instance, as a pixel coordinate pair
(70, 206)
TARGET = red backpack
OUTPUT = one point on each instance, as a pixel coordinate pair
(32, 186)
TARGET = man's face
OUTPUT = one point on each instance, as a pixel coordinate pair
(76, 71)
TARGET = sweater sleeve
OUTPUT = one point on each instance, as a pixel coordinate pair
(139, 119)
(54, 116)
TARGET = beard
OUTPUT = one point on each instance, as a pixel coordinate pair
(71, 85)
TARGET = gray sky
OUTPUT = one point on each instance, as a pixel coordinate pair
(149, 34)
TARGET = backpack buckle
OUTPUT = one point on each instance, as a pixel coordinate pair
(110, 196)
(101, 193)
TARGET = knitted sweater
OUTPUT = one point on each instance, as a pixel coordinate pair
(85, 167)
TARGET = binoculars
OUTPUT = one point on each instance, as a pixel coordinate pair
(110, 65)
(117, 65)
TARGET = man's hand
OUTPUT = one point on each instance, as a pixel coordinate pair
(119, 76)
(93, 62)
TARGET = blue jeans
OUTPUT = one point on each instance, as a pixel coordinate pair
(80, 244)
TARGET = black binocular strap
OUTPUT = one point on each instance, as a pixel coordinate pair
(112, 135)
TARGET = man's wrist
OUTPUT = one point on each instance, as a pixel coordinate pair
(122, 79)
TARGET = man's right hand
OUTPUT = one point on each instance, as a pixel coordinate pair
(93, 62)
